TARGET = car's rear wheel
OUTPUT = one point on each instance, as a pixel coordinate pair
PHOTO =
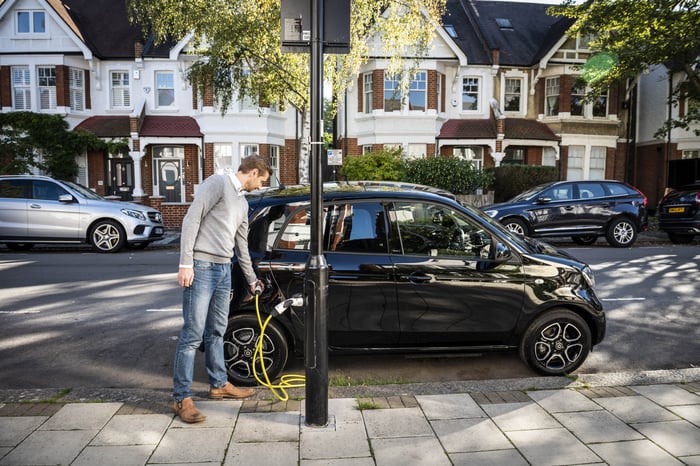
(677, 238)
(584, 240)
(621, 233)
(107, 236)
(556, 343)
(517, 226)
(19, 246)
(240, 340)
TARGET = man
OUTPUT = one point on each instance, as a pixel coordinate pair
(215, 224)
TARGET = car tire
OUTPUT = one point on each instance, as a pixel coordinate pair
(621, 233)
(584, 240)
(517, 226)
(240, 340)
(107, 236)
(556, 343)
(679, 238)
(19, 246)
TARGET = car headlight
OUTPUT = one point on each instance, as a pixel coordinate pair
(491, 213)
(588, 275)
(134, 213)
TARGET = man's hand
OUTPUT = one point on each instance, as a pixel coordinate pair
(257, 288)
(185, 276)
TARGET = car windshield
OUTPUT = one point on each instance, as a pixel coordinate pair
(517, 239)
(529, 193)
(83, 191)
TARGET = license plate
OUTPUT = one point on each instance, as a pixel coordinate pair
(676, 210)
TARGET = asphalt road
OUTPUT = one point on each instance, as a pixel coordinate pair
(74, 318)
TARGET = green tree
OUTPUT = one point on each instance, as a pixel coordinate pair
(631, 35)
(29, 140)
(237, 45)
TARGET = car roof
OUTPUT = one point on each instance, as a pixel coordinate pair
(346, 190)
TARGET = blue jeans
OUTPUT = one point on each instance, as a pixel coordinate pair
(205, 314)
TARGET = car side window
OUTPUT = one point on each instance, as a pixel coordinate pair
(590, 190)
(355, 227)
(15, 189)
(47, 191)
(559, 193)
(296, 232)
(436, 230)
(618, 189)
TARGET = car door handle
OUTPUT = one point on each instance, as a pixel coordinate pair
(568, 207)
(416, 278)
(34, 206)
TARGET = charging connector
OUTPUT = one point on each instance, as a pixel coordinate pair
(297, 300)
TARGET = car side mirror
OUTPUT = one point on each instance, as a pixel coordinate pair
(67, 198)
(544, 200)
(501, 252)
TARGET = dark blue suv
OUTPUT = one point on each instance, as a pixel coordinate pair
(583, 210)
(410, 270)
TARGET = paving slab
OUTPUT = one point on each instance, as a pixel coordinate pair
(597, 426)
(81, 416)
(133, 429)
(509, 457)
(690, 413)
(402, 422)
(204, 444)
(409, 451)
(563, 401)
(632, 409)
(49, 447)
(520, 416)
(667, 395)
(549, 447)
(15, 429)
(451, 406)
(680, 438)
(633, 453)
(468, 435)
(277, 453)
(267, 427)
(122, 455)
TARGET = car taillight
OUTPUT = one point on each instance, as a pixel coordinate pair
(644, 202)
(697, 198)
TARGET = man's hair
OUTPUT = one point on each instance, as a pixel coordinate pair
(252, 162)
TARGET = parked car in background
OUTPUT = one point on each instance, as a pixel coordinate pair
(39, 209)
(583, 210)
(410, 270)
(679, 213)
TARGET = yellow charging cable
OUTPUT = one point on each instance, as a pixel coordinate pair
(286, 381)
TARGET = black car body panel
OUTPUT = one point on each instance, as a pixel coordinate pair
(679, 213)
(573, 208)
(410, 269)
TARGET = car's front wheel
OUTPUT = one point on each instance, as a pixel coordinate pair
(621, 233)
(107, 236)
(556, 343)
(517, 226)
(240, 341)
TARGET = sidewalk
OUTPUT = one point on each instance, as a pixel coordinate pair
(645, 418)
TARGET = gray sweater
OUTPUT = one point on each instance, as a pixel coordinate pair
(215, 224)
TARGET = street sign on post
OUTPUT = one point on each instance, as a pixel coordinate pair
(296, 26)
(335, 157)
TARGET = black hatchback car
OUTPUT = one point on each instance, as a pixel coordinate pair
(410, 270)
(583, 210)
(679, 214)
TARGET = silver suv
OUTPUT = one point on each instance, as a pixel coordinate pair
(39, 209)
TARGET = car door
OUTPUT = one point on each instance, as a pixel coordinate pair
(362, 306)
(554, 211)
(593, 206)
(452, 291)
(49, 218)
(14, 200)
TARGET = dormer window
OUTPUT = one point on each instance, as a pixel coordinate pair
(31, 22)
(450, 29)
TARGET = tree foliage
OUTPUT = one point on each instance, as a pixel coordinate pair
(29, 140)
(639, 33)
(237, 43)
(449, 173)
(383, 165)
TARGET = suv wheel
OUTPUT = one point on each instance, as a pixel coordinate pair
(107, 236)
(515, 225)
(240, 340)
(621, 233)
(584, 240)
(556, 343)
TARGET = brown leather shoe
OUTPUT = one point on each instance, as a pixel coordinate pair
(188, 412)
(229, 391)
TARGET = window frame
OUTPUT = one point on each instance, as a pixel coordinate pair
(76, 85)
(33, 17)
(46, 85)
(418, 90)
(393, 103)
(367, 92)
(23, 86)
(510, 95)
(468, 84)
(163, 90)
(123, 86)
